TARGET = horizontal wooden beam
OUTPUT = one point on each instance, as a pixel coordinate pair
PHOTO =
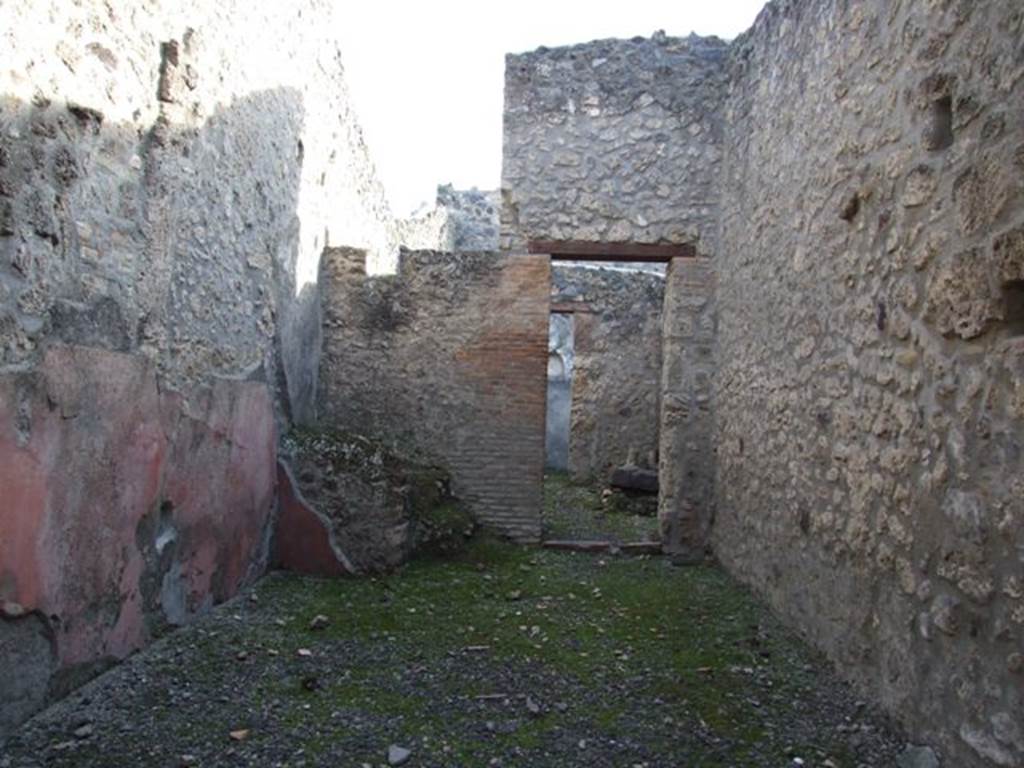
(570, 307)
(583, 250)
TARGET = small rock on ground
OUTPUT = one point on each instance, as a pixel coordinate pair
(398, 755)
(917, 757)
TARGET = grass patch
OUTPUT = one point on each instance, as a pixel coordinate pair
(691, 635)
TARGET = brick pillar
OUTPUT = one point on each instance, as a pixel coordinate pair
(687, 459)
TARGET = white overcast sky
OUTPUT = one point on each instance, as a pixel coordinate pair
(426, 76)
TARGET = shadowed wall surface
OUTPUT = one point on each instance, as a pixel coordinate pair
(445, 362)
(169, 176)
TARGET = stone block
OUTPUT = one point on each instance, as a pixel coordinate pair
(632, 478)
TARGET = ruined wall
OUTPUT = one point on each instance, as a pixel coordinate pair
(687, 449)
(616, 369)
(613, 141)
(169, 175)
(445, 363)
(127, 508)
(620, 141)
(430, 231)
(870, 392)
(475, 217)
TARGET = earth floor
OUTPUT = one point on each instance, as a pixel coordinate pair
(502, 656)
(583, 511)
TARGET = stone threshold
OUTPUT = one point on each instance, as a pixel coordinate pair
(596, 546)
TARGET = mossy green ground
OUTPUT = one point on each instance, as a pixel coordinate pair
(579, 510)
(504, 655)
(645, 632)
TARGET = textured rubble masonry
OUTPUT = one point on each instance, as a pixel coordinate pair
(686, 466)
(620, 141)
(169, 176)
(870, 389)
(126, 509)
(303, 541)
(617, 366)
(434, 230)
(474, 215)
(613, 141)
(445, 363)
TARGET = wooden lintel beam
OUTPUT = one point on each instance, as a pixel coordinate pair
(581, 250)
(570, 307)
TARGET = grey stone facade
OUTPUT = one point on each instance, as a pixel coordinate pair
(475, 217)
(869, 387)
(168, 186)
(613, 141)
(619, 141)
(842, 364)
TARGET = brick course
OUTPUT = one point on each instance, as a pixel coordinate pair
(446, 363)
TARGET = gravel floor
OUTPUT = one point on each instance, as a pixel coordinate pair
(578, 511)
(505, 656)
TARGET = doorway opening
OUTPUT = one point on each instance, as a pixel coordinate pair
(604, 392)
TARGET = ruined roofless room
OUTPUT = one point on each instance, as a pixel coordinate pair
(458, 385)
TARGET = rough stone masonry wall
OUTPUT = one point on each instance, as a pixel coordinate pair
(613, 141)
(870, 389)
(169, 175)
(687, 451)
(617, 366)
(170, 178)
(475, 216)
(430, 231)
(445, 363)
(620, 141)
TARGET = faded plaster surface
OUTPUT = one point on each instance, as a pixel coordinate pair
(126, 509)
(870, 387)
(169, 176)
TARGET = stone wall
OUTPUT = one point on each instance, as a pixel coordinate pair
(169, 175)
(616, 376)
(687, 455)
(127, 509)
(475, 217)
(619, 141)
(870, 392)
(613, 141)
(430, 231)
(445, 363)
